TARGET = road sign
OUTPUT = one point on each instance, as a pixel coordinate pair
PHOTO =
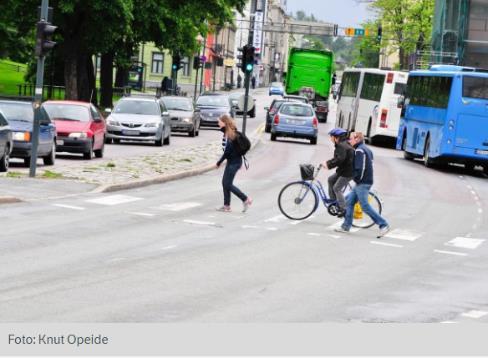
(229, 62)
(258, 31)
(349, 31)
(359, 32)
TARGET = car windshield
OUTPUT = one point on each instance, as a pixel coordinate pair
(213, 101)
(177, 104)
(17, 111)
(148, 108)
(300, 99)
(277, 104)
(67, 112)
(296, 110)
(236, 95)
(276, 84)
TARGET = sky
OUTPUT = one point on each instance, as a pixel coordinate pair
(345, 13)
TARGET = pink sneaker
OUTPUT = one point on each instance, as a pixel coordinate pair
(224, 209)
(246, 205)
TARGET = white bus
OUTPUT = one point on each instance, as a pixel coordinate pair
(368, 102)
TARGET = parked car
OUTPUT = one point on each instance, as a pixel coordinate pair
(297, 98)
(296, 120)
(5, 143)
(184, 117)
(80, 127)
(20, 116)
(212, 106)
(273, 109)
(276, 88)
(251, 106)
(141, 119)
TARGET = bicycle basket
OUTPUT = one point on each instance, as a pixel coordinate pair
(307, 171)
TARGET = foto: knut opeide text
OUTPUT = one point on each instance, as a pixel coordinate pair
(70, 339)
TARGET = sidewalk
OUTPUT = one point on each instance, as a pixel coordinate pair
(109, 176)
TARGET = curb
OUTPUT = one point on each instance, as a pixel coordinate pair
(170, 177)
(9, 200)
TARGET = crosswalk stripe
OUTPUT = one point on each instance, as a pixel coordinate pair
(69, 207)
(113, 200)
(465, 243)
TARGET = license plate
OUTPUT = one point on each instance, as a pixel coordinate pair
(481, 152)
(59, 142)
(129, 132)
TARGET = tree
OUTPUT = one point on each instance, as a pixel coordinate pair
(367, 48)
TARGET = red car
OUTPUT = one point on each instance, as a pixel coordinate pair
(80, 127)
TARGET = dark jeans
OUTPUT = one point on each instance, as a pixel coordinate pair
(228, 183)
(360, 193)
(337, 184)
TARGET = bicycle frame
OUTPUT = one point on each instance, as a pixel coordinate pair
(319, 188)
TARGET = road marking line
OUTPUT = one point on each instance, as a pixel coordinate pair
(474, 314)
(114, 200)
(400, 234)
(313, 234)
(143, 214)
(480, 211)
(272, 228)
(473, 192)
(296, 222)
(385, 244)
(250, 227)
(448, 322)
(451, 253)
(198, 222)
(465, 243)
(167, 247)
(116, 259)
(335, 236)
(477, 198)
(275, 219)
(179, 206)
(69, 206)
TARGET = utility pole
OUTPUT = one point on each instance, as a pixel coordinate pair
(247, 74)
(43, 44)
(203, 63)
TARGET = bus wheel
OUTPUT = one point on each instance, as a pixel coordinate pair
(406, 155)
(428, 161)
(469, 167)
(485, 169)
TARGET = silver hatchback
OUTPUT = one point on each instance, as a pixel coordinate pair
(184, 117)
(141, 119)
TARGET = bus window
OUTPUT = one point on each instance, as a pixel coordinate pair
(372, 87)
(350, 84)
(475, 87)
(429, 91)
(400, 88)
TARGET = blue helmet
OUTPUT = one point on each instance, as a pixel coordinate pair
(337, 132)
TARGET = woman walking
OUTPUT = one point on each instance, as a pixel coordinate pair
(234, 163)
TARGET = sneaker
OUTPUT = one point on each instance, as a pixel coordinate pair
(383, 231)
(246, 205)
(341, 230)
(341, 213)
(224, 209)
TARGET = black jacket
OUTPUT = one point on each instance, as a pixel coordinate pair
(343, 159)
(363, 165)
(231, 154)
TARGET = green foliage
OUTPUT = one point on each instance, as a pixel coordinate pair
(12, 74)
(367, 48)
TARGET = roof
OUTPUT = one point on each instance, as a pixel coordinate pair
(78, 103)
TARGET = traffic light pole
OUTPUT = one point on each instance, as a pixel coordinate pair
(38, 99)
(247, 74)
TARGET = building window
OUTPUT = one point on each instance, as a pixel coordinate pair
(185, 62)
(157, 62)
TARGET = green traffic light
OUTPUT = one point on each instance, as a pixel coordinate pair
(249, 67)
(174, 67)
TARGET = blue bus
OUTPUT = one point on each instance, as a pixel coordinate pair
(445, 116)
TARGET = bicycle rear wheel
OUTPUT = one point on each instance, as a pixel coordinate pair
(298, 200)
(361, 219)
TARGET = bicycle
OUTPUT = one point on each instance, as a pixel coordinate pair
(303, 195)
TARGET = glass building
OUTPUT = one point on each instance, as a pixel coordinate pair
(460, 33)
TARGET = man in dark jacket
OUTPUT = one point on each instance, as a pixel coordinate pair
(343, 161)
(363, 176)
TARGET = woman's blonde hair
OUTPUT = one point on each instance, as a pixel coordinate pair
(230, 126)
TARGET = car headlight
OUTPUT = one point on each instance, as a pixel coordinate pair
(78, 135)
(186, 120)
(151, 125)
(111, 122)
(21, 136)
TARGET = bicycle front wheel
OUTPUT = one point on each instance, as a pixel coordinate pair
(298, 200)
(360, 218)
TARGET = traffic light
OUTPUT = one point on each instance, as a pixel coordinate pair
(196, 62)
(43, 38)
(247, 59)
(176, 62)
(380, 32)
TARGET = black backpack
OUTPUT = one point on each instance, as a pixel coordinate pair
(242, 143)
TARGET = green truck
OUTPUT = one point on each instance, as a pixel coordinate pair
(311, 73)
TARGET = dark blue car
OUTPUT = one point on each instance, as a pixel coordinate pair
(5, 143)
(20, 116)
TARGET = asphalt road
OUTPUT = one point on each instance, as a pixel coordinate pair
(163, 254)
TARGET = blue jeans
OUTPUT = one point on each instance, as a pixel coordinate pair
(228, 183)
(360, 193)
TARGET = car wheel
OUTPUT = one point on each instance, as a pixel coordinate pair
(51, 157)
(27, 162)
(167, 140)
(253, 113)
(4, 161)
(109, 140)
(192, 133)
(313, 141)
(89, 155)
(159, 142)
(99, 152)
(273, 137)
